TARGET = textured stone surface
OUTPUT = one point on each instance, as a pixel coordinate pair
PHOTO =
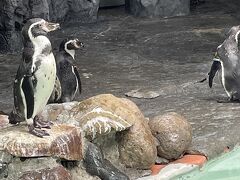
(64, 142)
(104, 114)
(162, 8)
(96, 165)
(81, 10)
(145, 94)
(168, 56)
(174, 134)
(109, 146)
(37, 168)
(13, 13)
(96, 116)
(4, 121)
(5, 159)
(79, 173)
(137, 147)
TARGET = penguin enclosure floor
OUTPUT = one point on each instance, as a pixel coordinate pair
(167, 56)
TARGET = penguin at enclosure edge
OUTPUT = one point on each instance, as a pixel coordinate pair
(227, 63)
(67, 72)
(35, 77)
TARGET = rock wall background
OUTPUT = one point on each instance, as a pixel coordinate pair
(161, 8)
(14, 12)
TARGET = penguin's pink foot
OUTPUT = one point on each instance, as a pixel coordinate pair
(37, 132)
(38, 123)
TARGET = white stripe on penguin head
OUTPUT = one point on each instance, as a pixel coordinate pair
(72, 51)
(236, 36)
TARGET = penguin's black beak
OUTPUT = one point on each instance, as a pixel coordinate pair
(48, 26)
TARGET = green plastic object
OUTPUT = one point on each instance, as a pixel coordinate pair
(225, 167)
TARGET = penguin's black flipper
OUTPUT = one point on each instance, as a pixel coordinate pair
(216, 65)
(79, 80)
(27, 87)
(17, 116)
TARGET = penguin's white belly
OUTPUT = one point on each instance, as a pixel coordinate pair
(222, 76)
(75, 92)
(45, 76)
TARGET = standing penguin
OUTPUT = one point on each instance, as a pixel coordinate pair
(67, 73)
(35, 77)
(228, 63)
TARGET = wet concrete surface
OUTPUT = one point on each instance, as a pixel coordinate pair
(124, 53)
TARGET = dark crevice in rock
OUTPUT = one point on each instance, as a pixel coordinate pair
(69, 164)
(23, 159)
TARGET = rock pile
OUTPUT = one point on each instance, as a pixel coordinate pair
(104, 114)
(104, 134)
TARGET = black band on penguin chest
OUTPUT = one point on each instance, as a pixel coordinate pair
(28, 52)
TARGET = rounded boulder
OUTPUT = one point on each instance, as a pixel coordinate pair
(174, 134)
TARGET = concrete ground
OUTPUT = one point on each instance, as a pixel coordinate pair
(124, 53)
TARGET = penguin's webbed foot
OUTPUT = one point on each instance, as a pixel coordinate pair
(223, 101)
(42, 124)
(38, 123)
(37, 132)
(234, 101)
(228, 100)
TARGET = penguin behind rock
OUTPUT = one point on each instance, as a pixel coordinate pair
(35, 77)
(67, 73)
(228, 64)
(56, 93)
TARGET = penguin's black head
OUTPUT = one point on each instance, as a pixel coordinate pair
(70, 44)
(233, 33)
(233, 30)
(36, 27)
(230, 45)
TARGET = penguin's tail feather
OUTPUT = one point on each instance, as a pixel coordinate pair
(216, 66)
(201, 81)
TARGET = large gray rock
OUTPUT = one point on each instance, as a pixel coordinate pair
(162, 8)
(104, 114)
(36, 168)
(97, 165)
(174, 134)
(64, 142)
(14, 12)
